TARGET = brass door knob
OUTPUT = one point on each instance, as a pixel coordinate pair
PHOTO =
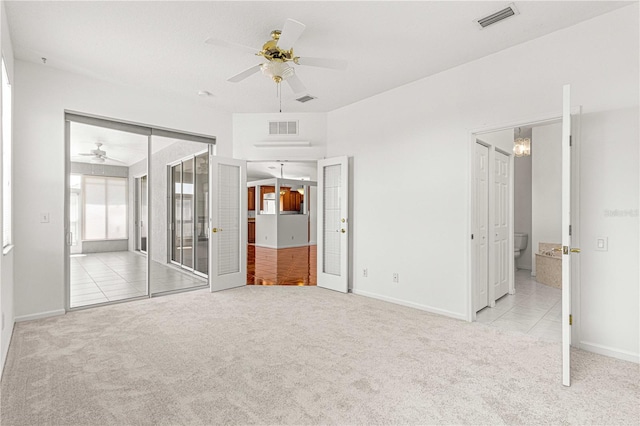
(214, 230)
(343, 230)
(575, 250)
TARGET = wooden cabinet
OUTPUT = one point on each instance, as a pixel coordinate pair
(251, 198)
(252, 231)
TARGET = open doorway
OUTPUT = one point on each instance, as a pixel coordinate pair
(530, 211)
(282, 223)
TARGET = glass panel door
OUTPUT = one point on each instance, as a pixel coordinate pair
(201, 193)
(187, 213)
(176, 213)
(144, 211)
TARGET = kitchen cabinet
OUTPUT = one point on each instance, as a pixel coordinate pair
(251, 198)
(252, 231)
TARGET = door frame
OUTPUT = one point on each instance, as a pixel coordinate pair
(474, 134)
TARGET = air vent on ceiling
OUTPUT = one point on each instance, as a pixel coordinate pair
(305, 98)
(498, 16)
(283, 127)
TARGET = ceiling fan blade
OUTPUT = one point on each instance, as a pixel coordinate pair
(295, 84)
(229, 45)
(244, 74)
(113, 159)
(334, 64)
(290, 33)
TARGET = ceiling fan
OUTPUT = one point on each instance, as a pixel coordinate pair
(279, 55)
(99, 156)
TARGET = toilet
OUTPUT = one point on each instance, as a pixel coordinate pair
(519, 243)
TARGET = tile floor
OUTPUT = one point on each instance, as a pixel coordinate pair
(289, 266)
(535, 309)
(107, 277)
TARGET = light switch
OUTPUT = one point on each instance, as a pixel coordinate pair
(602, 243)
(44, 217)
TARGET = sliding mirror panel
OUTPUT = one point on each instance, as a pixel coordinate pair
(106, 215)
(180, 217)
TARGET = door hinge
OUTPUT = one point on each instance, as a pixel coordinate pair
(472, 236)
(569, 230)
(570, 140)
(570, 319)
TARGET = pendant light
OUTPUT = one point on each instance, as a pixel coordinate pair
(521, 146)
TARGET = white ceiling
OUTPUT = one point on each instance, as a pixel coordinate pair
(299, 170)
(160, 45)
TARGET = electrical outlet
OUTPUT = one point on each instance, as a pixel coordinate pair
(365, 272)
(396, 278)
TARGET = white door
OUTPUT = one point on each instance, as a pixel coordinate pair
(566, 236)
(228, 242)
(481, 202)
(501, 226)
(333, 235)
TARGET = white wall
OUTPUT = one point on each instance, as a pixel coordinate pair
(251, 128)
(609, 289)
(420, 133)
(522, 207)
(546, 188)
(41, 96)
(7, 260)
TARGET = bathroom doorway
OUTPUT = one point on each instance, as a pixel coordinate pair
(529, 195)
(533, 305)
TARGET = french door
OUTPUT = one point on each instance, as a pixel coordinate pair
(333, 224)
(228, 207)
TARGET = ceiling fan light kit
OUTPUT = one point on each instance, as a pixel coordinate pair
(279, 52)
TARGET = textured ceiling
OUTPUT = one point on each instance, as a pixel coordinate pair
(160, 45)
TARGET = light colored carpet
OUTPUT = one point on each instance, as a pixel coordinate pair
(297, 355)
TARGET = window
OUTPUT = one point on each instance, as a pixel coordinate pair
(6, 158)
(105, 208)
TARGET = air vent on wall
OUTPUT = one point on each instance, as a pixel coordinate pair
(283, 127)
(305, 98)
(498, 16)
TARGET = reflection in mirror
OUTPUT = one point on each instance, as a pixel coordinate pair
(106, 215)
(180, 214)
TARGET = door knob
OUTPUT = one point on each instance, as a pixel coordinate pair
(575, 250)
(343, 230)
(214, 230)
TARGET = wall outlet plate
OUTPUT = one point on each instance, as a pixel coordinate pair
(602, 243)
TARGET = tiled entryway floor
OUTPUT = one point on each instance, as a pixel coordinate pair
(107, 277)
(535, 309)
(287, 266)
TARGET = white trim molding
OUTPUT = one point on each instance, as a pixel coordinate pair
(450, 314)
(609, 351)
(40, 315)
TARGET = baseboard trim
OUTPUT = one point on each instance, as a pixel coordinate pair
(40, 315)
(426, 308)
(609, 351)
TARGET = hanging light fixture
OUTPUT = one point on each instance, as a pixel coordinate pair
(521, 146)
